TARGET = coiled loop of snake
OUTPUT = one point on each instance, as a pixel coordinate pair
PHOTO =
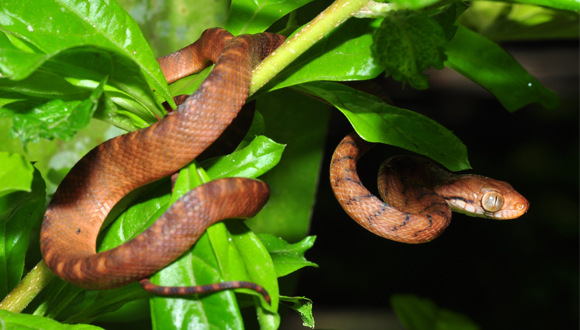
(118, 166)
(418, 195)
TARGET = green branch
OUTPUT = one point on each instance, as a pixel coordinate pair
(27, 289)
(323, 24)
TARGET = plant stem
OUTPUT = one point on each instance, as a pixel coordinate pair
(323, 24)
(27, 289)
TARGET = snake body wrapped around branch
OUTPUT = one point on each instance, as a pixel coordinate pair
(115, 168)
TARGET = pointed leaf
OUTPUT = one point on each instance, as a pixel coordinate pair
(287, 258)
(303, 306)
(487, 64)
(261, 155)
(376, 121)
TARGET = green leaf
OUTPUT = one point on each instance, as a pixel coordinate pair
(20, 212)
(487, 64)
(418, 313)
(261, 155)
(15, 63)
(11, 320)
(303, 306)
(250, 17)
(343, 55)
(189, 84)
(198, 267)
(41, 87)
(287, 213)
(54, 119)
(59, 295)
(54, 25)
(376, 121)
(571, 5)
(108, 301)
(15, 174)
(287, 258)
(69, 75)
(408, 43)
(252, 251)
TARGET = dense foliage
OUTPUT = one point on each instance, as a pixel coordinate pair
(65, 62)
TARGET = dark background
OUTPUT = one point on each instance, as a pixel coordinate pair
(515, 274)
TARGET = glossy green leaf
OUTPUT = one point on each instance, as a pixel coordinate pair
(15, 173)
(418, 313)
(261, 155)
(376, 121)
(11, 320)
(487, 64)
(84, 65)
(59, 294)
(287, 257)
(17, 64)
(408, 43)
(71, 74)
(20, 212)
(39, 88)
(54, 119)
(189, 84)
(249, 17)
(108, 301)
(217, 310)
(253, 252)
(343, 55)
(303, 306)
(54, 25)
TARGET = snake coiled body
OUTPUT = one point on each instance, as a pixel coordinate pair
(115, 168)
(418, 195)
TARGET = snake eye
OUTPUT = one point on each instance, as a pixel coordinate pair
(492, 201)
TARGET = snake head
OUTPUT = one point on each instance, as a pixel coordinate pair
(487, 198)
